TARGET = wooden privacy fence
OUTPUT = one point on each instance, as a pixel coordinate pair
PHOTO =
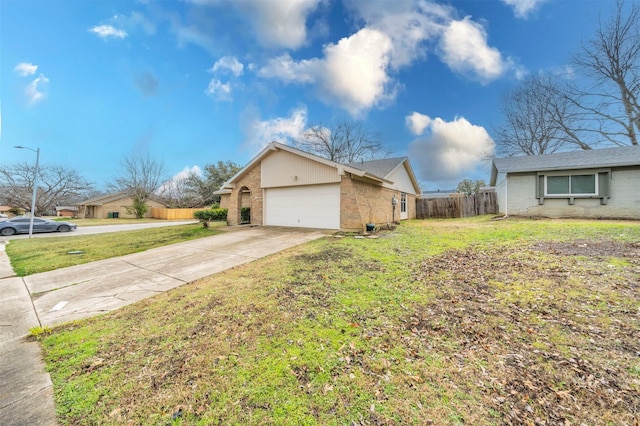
(173, 214)
(457, 206)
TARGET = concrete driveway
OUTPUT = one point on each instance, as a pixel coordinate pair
(85, 290)
(51, 298)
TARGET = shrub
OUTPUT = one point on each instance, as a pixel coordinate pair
(206, 216)
(245, 215)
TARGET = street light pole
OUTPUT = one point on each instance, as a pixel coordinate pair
(35, 186)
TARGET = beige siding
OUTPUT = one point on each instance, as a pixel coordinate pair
(402, 181)
(624, 201)
(283, 168)
(120, 206)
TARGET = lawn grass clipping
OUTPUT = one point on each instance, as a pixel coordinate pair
(31, 256)
(441, 322)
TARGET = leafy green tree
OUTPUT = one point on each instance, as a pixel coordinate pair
(467, 186)
(213, 176)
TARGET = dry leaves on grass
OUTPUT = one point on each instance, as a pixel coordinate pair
(549, 336)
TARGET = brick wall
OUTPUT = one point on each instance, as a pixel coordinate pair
(251, 181)
(363, 203)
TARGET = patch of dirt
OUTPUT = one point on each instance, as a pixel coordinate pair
(597, 248)
(545, 340)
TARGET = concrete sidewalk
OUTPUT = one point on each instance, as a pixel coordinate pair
(50, 298)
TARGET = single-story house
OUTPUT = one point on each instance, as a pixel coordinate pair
(284, 186)
(66, 211)
(597, 183)
(439, 193)
(116, 205)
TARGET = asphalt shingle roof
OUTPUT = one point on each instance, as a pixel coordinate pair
(607, 157)
(380, 168)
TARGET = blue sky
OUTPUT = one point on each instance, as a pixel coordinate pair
(193, 82)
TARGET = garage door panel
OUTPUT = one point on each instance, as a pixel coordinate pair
(313, 206)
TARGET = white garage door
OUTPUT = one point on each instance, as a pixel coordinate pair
(313, 206)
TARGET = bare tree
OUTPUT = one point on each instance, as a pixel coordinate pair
(539, 118)
(177, 193)
(57, 185)
(611, 60)
(197, 190)
(140, 176)
(345, 142)
(527, 127)
(600, 107)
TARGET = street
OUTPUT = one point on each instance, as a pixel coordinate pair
(101, 229)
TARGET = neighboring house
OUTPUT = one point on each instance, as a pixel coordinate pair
(598, 183)
(116, 205)
(285, 186)
(66, 211)
(440, 193)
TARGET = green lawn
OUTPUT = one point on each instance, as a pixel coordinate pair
(30, 256)
(474, 321)
(100, 222)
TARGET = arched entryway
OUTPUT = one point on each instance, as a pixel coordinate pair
(244, 205)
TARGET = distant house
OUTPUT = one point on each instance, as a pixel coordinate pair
(66, 211)
(116, 205)
(284, 186)
(439, 193)
(602, 183)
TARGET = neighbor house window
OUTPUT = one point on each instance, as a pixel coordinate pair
(571, 185)
(403, 202)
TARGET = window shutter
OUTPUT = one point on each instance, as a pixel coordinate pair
(540, 189)
(603, 186)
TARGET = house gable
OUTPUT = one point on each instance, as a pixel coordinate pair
(275, 178)
(284, 168)
(404, 179)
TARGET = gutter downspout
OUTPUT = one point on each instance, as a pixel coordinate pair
(506, 195)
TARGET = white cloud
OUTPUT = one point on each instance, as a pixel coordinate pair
(352, 74)
(228, 63)
(280, 129)
(281, 23)
(284, 68)
(177, 181)
(106, 31)
(34, 90)
(465, 50)
(188, 171)
(355, 71)
(24, 69)
(218, 90)
(522, 8)
(410, 25)
(452, 149)
(417, 122)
